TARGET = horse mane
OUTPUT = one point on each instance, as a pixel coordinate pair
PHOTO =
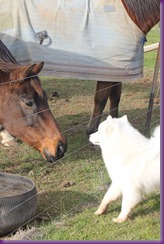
(145, 12)
(5, 55)
(7, 61)
(7, 67)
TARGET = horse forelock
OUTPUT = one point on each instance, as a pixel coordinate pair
(36, 85)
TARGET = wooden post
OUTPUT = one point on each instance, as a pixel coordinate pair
(151, 47)
(151, 99)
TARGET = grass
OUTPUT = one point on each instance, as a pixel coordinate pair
(152, 37)
(67, 213)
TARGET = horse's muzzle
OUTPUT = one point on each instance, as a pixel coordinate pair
(61, 149)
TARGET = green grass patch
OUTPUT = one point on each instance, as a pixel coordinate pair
(152, 37)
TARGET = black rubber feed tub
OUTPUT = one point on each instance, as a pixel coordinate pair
(17, 201)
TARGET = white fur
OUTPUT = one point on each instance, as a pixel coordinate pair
(132, 162)
(6, 139)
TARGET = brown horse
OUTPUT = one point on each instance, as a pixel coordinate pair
(146, 14)
(24, 110)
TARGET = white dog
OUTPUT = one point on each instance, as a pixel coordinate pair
(132, 162)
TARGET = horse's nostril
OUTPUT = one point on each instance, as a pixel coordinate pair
(61, 150)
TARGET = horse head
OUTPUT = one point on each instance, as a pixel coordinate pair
(24, 110)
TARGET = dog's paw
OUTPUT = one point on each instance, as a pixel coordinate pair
(99, 212)
(118, 220)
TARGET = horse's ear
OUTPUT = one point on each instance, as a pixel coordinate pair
(34, 69)
(28, 70)
(38, 67)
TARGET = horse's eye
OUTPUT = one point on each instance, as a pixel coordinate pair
(29, 103)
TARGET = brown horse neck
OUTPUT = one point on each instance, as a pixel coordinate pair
(145, 13)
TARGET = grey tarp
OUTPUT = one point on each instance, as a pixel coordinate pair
(86, 39)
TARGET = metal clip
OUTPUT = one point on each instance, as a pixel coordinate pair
(42, 35)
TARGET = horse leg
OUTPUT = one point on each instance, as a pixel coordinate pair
(114, 96)
(103, 91)
(100, 100)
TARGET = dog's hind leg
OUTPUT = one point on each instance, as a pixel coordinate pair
(111, 195)
(129, 201)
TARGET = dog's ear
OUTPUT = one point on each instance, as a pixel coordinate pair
(124, 118)
(109, 118)
(111, 123)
